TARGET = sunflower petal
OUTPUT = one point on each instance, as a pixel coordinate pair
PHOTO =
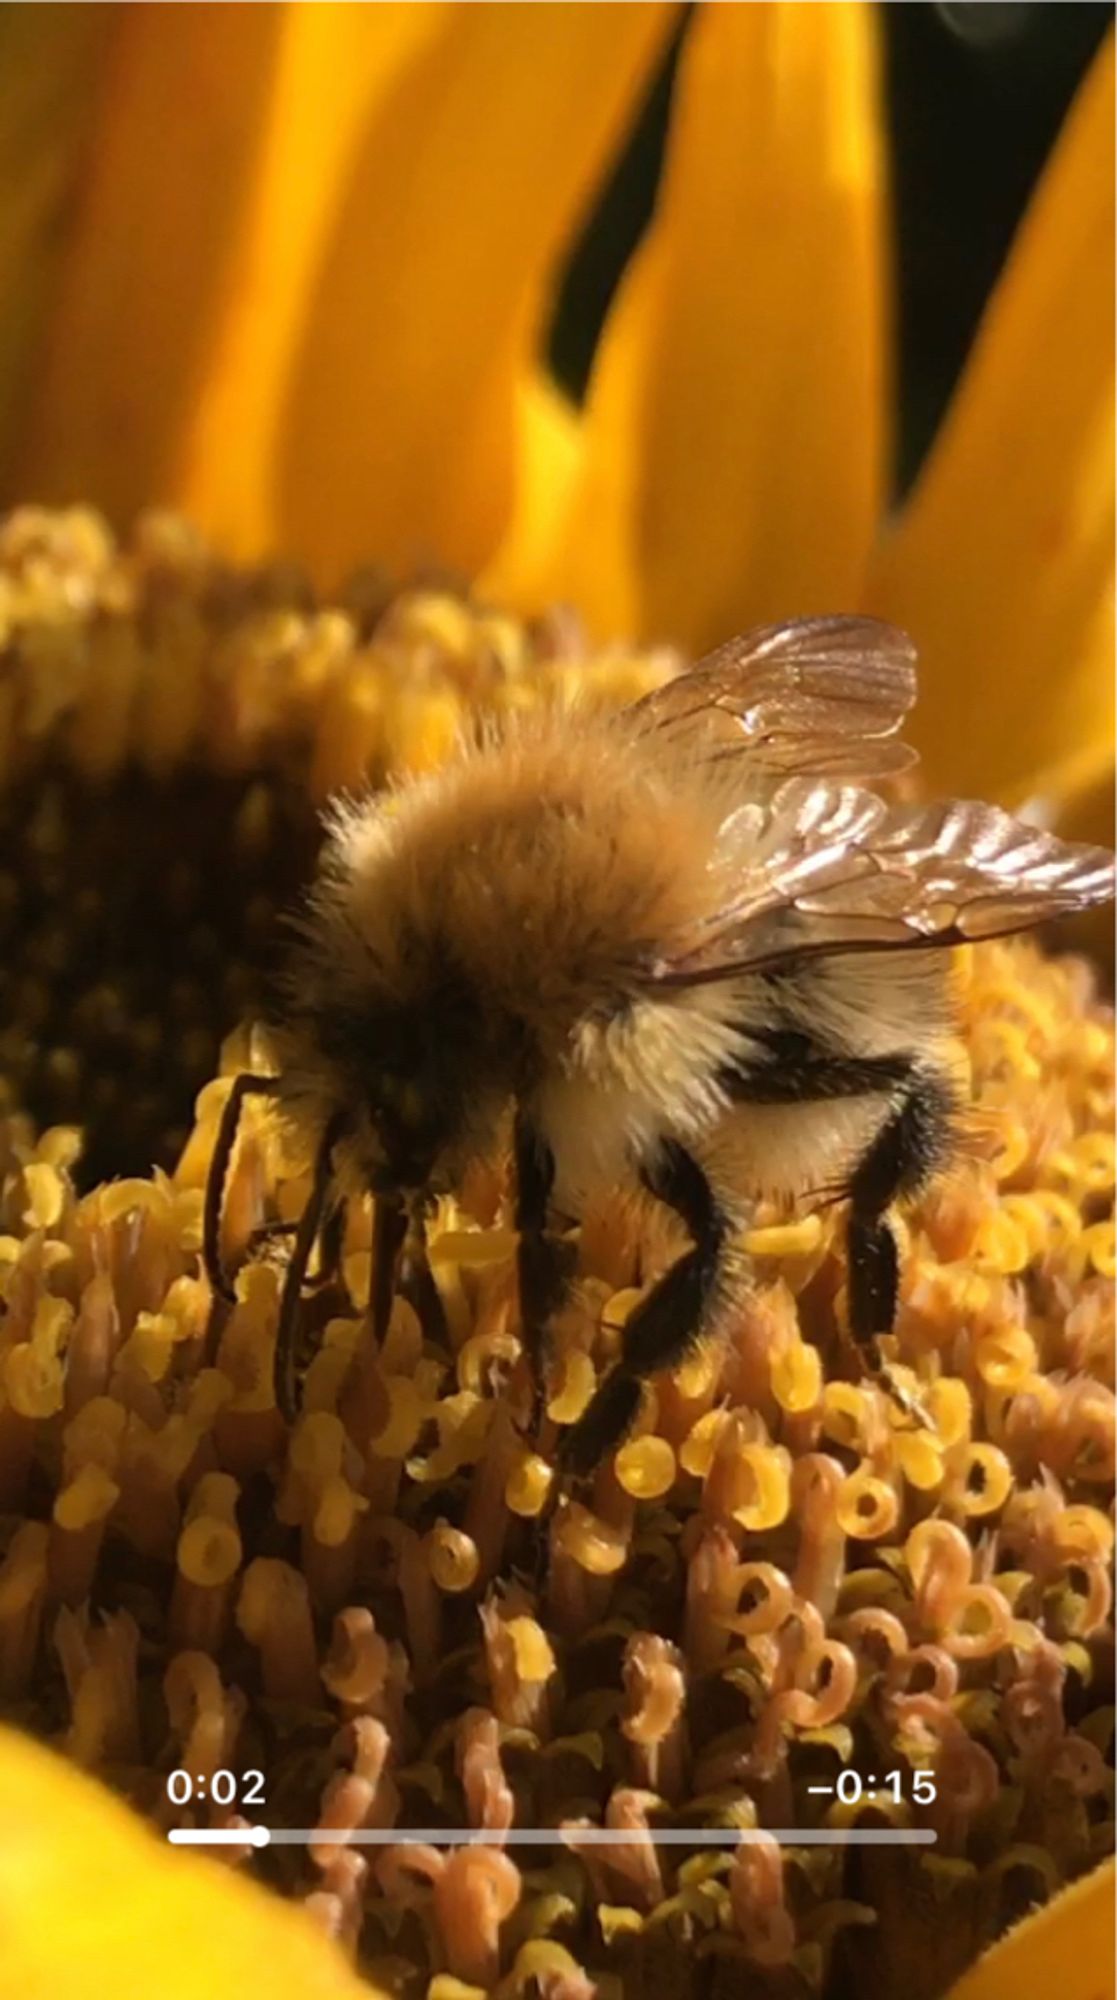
(401, 423)
(151, 243)
(91, 1903)
(304, 277)
(337, 68)
(221, 144)
(1065, 1948)
(1001, 566)
(736, 417)
(548, 460)
(46, 55)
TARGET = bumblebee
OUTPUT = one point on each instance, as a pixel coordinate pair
(692, 946)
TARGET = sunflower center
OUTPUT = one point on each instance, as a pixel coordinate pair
(139, 925)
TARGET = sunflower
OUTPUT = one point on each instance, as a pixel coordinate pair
(284, 271)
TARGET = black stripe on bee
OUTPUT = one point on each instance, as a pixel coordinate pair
(797, 1070)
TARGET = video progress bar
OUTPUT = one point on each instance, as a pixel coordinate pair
(535, 1836)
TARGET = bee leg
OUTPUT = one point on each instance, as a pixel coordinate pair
(874, 1277)
(330, 1241)
(668, 1320)
(544, 1263)
(286, 1393)
(389, 1227)
(329, 1245)
(900, 1160)
(417, 1283)
(908, 1145)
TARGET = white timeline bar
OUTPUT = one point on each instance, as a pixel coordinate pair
(535, 1836)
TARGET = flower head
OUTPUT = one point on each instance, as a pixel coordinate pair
(326, 338)
(785, 1575)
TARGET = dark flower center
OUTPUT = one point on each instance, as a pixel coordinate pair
(139, 924)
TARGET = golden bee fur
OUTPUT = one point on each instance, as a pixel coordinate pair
(539, 872)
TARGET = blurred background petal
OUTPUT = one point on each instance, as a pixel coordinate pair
(401, 423)
(46, 57)
(301, 279)
(548, 458)
(91, 1905)
(1065, 1948)
(1002, 562)
(737, 411)
(149, 244)
(336, 69)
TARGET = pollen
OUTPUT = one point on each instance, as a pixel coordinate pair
(797, 1377)
(453, 1558)
(576, 1380)
(646, 1468)
(785, 1239)
(531, 1649)
(209, 1547)
(528, 1485)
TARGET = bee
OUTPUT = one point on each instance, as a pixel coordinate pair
(690, 949)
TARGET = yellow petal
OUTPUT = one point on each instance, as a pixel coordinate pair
(400, 427)
(92, 1903)
(1085, 812)
(548, 459)
(304, 278)
(1065, 1948)
(1002, 564)
(152, 246)
(337, 69)
(47, 55)
(737, 409)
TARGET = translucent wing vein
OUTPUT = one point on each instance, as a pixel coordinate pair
(828, 868)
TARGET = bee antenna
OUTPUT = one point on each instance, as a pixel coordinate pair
(245, 1085)
(309, 1224)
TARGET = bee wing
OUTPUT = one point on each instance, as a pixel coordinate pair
(830, 868)
(813, 695)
